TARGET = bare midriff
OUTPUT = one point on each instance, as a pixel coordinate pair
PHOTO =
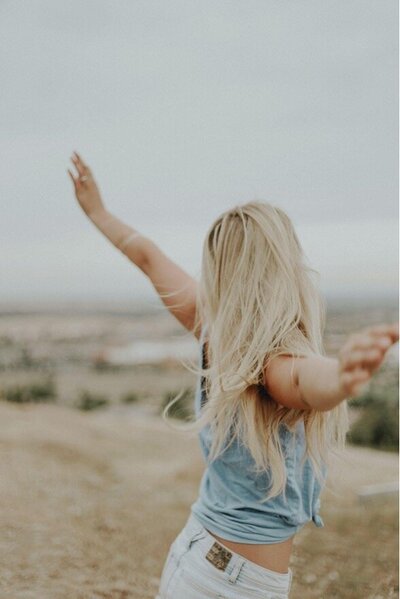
(275, 556)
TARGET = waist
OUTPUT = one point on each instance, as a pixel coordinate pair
(230, 505)
(274, 556)
(228, 562)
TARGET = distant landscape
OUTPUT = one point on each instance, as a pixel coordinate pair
(95, 356)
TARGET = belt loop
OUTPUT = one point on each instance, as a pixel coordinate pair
(236, 570)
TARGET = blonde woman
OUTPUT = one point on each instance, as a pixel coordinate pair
(270, 406)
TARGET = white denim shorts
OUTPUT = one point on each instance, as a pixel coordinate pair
(199, 567)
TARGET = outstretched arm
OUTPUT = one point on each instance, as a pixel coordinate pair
(321, 383)
(176, 288)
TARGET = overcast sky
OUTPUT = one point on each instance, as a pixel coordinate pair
(184, 108)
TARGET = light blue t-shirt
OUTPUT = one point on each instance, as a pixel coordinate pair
(230, 491)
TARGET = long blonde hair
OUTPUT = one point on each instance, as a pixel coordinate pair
(257, 297)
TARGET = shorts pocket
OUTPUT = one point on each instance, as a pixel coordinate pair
(190, 586)
(262, 583)
(199, 589)
(173, 566)
(194, 586)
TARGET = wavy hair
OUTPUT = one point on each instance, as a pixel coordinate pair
(257, 300)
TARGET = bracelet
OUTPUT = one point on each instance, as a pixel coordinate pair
(127, 240)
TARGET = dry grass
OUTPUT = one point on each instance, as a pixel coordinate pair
(91, 502)
(356, 554)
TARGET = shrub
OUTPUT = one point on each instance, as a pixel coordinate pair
(130, 397)
(183, 407)
(378, 424)
(26, 359)
(374, 397)
(44, 391)
(91, 401)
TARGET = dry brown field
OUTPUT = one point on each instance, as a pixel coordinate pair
(91, 501)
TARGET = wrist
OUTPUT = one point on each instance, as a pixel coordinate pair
(99, 216)
(338, 388)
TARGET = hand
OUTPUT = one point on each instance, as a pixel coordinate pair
(362, 354)
(86, 190)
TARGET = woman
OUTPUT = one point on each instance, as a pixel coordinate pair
(269, 405)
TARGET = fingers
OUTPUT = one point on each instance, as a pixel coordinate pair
(79, 158)
(81, 179)
(355, 382)
(391, 330)
(394, 331)
(366, 350)
(82, 169)
(367, 358)
(383, 336)
(76, 182)
(80, 165)
(71, 175)
(365, 341)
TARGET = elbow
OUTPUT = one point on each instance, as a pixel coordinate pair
(301, 401)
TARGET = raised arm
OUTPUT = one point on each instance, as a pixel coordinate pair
(321, 383)
(176, 288)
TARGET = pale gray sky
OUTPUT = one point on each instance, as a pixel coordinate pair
(184, 108)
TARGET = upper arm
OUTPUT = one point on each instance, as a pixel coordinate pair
(177, 289)
(281, 381)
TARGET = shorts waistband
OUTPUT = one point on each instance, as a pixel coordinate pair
(230, 562)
